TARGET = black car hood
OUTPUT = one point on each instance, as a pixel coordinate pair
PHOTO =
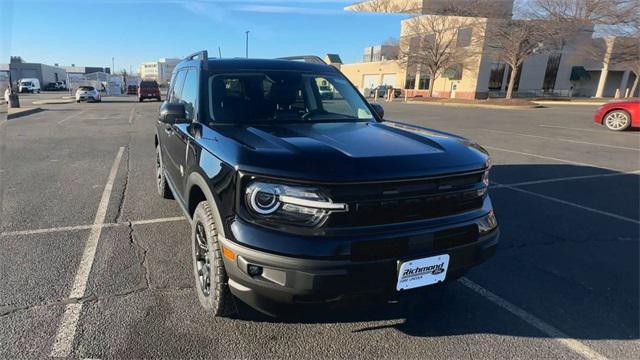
(344, 152)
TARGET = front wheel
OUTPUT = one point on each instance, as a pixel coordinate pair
(161, 181)
(208, 267)
(617, 120)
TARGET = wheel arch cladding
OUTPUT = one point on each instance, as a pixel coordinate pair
(198, 191)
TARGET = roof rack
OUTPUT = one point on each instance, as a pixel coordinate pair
(204, 57)
(306, 58)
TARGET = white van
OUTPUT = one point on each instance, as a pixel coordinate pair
(29, 85)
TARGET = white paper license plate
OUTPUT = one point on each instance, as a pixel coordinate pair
(422, 272)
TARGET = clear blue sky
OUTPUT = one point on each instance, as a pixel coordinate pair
(90, 32)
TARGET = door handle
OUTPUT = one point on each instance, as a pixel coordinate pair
(169, 130)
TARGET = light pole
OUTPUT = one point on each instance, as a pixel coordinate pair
(113, 65)
(247, 44)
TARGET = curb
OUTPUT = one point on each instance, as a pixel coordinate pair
(576, 103)
(31, 111)
(487, 106)
(52, 102)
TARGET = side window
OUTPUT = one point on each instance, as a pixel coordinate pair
(189, 96)
(176, 87)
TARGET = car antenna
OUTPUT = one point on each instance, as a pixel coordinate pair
(219, 52)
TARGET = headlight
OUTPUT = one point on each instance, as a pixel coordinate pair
(487, 224)
(485, 180)
(292, 205)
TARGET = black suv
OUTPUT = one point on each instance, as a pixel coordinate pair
(296, 198)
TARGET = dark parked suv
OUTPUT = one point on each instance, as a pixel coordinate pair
(297, 199)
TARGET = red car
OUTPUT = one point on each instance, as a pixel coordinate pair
(619, 115)
(148, 90)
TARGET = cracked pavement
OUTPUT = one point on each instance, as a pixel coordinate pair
(575, 269)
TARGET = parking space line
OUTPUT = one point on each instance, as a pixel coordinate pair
(155, 221)
(92, 226)
(564, 202)
(70, 117)
(563, 139)
(579, 129)
(553, 158)
(67, 329)
(568, 178)
(132, 115)
(557, 335)
(53, 230)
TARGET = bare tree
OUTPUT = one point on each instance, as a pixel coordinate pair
(435, 43)
(626, 52)
(514, 41)
(613, 18)
(618, 13)
(396, 6)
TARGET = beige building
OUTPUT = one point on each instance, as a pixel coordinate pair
(159, 71)
(481, 75)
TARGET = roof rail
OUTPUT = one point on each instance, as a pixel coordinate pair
(204, 57)
(306, 58)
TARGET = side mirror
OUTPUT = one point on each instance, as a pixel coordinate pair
(379, 109)
(172, 113)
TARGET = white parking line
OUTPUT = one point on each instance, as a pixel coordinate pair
(574, 345)
(564, 202)
(155, 221)
(92, 226)
(131, 115)
(552, 158)
(67, 330)
(568, 178)
(73, 116)
(578, 129)
(565, 140)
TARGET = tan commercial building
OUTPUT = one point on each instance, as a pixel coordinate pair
(481, 74)
(159, 71)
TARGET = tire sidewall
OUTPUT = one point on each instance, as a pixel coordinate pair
(626, 114)
(217, 302)
(160, 184)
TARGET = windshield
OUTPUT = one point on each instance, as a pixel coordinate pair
(148, 84)
(284, 96)
(26, 84)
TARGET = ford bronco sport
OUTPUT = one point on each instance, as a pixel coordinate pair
(296, 198)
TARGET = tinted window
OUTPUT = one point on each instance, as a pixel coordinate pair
(148, 84)
(176, 87)
(189, 95)
(284, 96)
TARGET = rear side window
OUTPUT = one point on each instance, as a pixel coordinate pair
(175, 94)
(148, 84)
(189, 96)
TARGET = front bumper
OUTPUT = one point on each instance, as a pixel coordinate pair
(289, 280)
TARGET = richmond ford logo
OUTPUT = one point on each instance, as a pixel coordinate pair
(415, 271)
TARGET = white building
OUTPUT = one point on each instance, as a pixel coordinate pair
(159, 71)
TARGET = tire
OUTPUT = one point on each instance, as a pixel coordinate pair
(161, 180)
(617, 120)
(139, 99)
(78, 101)
(211, 284)
(158, 99)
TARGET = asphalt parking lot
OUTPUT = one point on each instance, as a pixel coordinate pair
(77, 184)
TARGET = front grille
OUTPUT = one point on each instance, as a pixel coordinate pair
(404, 201)
(371, 250)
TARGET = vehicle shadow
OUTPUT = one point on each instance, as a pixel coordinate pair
(562, 290)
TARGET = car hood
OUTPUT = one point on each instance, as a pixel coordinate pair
(338, 152)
